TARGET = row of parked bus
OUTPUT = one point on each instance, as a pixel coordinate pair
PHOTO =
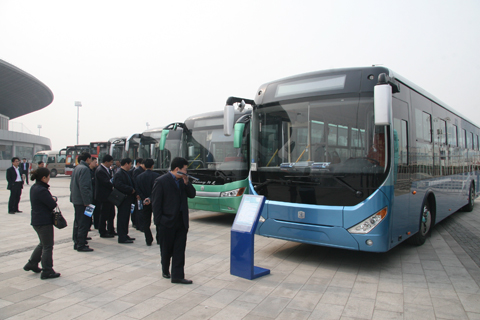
(219, 164)
(356, 158)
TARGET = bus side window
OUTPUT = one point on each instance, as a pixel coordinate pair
(51, 160)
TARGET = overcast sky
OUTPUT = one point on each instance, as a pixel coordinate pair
(133, 62)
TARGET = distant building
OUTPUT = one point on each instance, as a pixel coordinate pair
(20, 94)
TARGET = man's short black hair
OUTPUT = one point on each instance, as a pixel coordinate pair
(125, 161)
(85, 156)
(15, 158)
(178, 162)
(40, 162)
(107, 158)
(24, 159)
(139, 160)
(148, 163)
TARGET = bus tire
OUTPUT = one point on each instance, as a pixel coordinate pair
(471, 199)
(426, 223)
(53, 173)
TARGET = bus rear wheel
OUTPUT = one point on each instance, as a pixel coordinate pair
(53, 173)
(471, 199)
(425, 225)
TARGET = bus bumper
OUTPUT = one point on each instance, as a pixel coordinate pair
(220, 204)
(336, 237)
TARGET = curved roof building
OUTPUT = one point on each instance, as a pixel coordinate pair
(20, 94)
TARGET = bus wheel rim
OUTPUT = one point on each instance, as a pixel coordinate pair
(426, 220)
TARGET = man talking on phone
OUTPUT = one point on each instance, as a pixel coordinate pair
(170, 211)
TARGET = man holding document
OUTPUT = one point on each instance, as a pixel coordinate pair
(81, 195)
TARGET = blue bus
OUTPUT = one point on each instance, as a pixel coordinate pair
(358, 158)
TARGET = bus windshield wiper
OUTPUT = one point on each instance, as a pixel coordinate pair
(263, 184)
(358, 193)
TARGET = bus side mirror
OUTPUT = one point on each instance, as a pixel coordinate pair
(382, 101)
(238, 135)
(163, 139)
(127, 146)
(228, 120)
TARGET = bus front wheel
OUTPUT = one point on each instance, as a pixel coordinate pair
(53, 173)
(426, 221)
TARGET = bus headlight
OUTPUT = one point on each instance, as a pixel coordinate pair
(370, 223)
(233, 193)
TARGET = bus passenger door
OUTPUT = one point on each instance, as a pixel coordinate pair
(399, 221)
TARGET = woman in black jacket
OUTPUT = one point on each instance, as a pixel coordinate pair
(43, 204)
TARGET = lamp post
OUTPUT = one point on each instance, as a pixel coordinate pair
(78, 104)
(39, 127)
(148, 125)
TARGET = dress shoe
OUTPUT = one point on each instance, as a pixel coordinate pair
(166, 275)
(149, 244)
(84, 249)
(129, 238)
(113, 233)
(126, 241)
(12, 212)
(49, 275)
(18, 211)
(107, 236)
(88, 238)
(182, 281)
(32, 267)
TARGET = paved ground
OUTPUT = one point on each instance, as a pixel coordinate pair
(439, 280)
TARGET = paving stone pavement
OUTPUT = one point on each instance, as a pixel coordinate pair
(439, 280)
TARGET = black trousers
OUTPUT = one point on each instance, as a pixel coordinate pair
(147, 221)
(44, 251)
(107, 215)
(123, 219)
(172, 247)
(26, 176)
(139, 223)
(96, 214)
(15, 193)
(81, 225)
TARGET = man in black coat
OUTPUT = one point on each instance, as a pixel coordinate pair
(103, 188)
(123, 182)
(15, 185)
(24, 168)
(144, 183)
(170, 211)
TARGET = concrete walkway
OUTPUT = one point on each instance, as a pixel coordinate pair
(439, 280)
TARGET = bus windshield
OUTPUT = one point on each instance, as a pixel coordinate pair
(211, 153)
(40, 157)
(319, 151)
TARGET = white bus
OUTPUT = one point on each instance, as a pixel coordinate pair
(53, 159)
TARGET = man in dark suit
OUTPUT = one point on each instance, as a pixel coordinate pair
(123, 182)
(24, 168)
(144, 183)
(103, 188)
(15, 185)
(170, 211)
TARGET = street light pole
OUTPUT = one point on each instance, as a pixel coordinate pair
(39, 127)
(78, 104)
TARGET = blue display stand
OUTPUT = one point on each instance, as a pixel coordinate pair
(243, 237)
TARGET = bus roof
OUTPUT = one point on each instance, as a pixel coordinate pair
(378, 69)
